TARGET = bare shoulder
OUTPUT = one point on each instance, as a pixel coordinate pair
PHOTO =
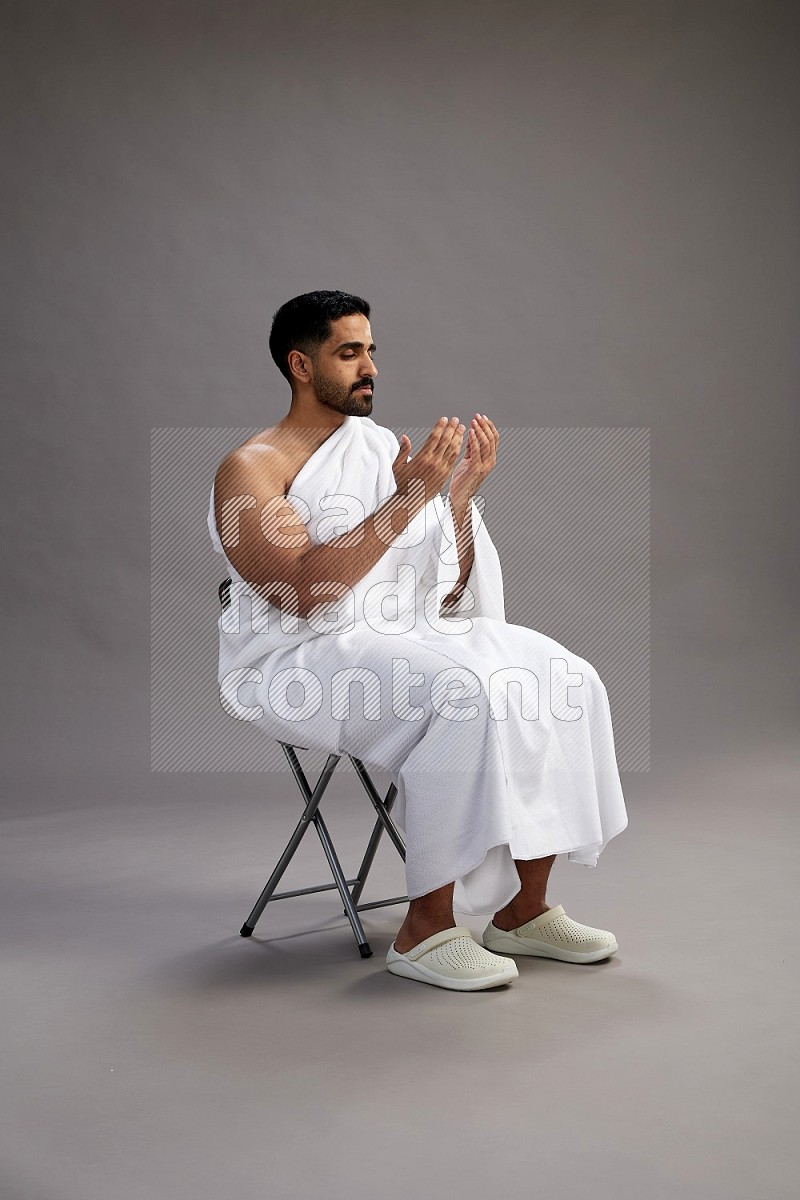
(261, 460)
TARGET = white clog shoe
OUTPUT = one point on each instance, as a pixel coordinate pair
(452, 959)
(552, 935)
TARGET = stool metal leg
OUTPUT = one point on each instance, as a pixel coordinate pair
(312, 815)
(384, 821)
(381, 807)
(366, 862)
(338, 874)
(309, 812)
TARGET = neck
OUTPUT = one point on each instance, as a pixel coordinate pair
(308, 415)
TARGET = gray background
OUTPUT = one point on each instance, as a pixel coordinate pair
(566, 214)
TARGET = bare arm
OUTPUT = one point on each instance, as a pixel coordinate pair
(270, 547)
(461, 506)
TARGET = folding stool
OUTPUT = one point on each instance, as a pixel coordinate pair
(312, 816)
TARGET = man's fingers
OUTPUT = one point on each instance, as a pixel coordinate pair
(488, 437)
(453, 447)
(435, 434)
(442, 435)
(484, 442)
(453, 432)
(487, 445)
(444, 440)
(492, 428)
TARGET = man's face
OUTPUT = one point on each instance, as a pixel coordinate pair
(344, 366)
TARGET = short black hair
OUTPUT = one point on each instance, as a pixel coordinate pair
(304, 323)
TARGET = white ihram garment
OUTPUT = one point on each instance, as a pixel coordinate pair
(481, 780)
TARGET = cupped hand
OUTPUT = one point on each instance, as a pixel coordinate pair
(480, 457)
(433, 463)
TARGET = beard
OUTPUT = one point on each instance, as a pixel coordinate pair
(342, 398)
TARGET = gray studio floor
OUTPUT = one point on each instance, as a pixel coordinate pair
(151, 1052)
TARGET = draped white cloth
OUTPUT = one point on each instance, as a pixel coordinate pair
(498, 738)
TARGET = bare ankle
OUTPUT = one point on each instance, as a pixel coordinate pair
(426, 915)
(416, 929)
(518, 913)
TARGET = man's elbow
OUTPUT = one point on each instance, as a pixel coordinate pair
(297, 594)
(297, 602)
(289, 599)
(283, 587)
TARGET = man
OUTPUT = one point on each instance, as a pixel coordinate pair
(480, 797)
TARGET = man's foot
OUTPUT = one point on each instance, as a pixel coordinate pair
(552, 934)
(453, 959)
(506, 919)
(416, 929)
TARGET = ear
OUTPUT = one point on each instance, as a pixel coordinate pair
(298, 365)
